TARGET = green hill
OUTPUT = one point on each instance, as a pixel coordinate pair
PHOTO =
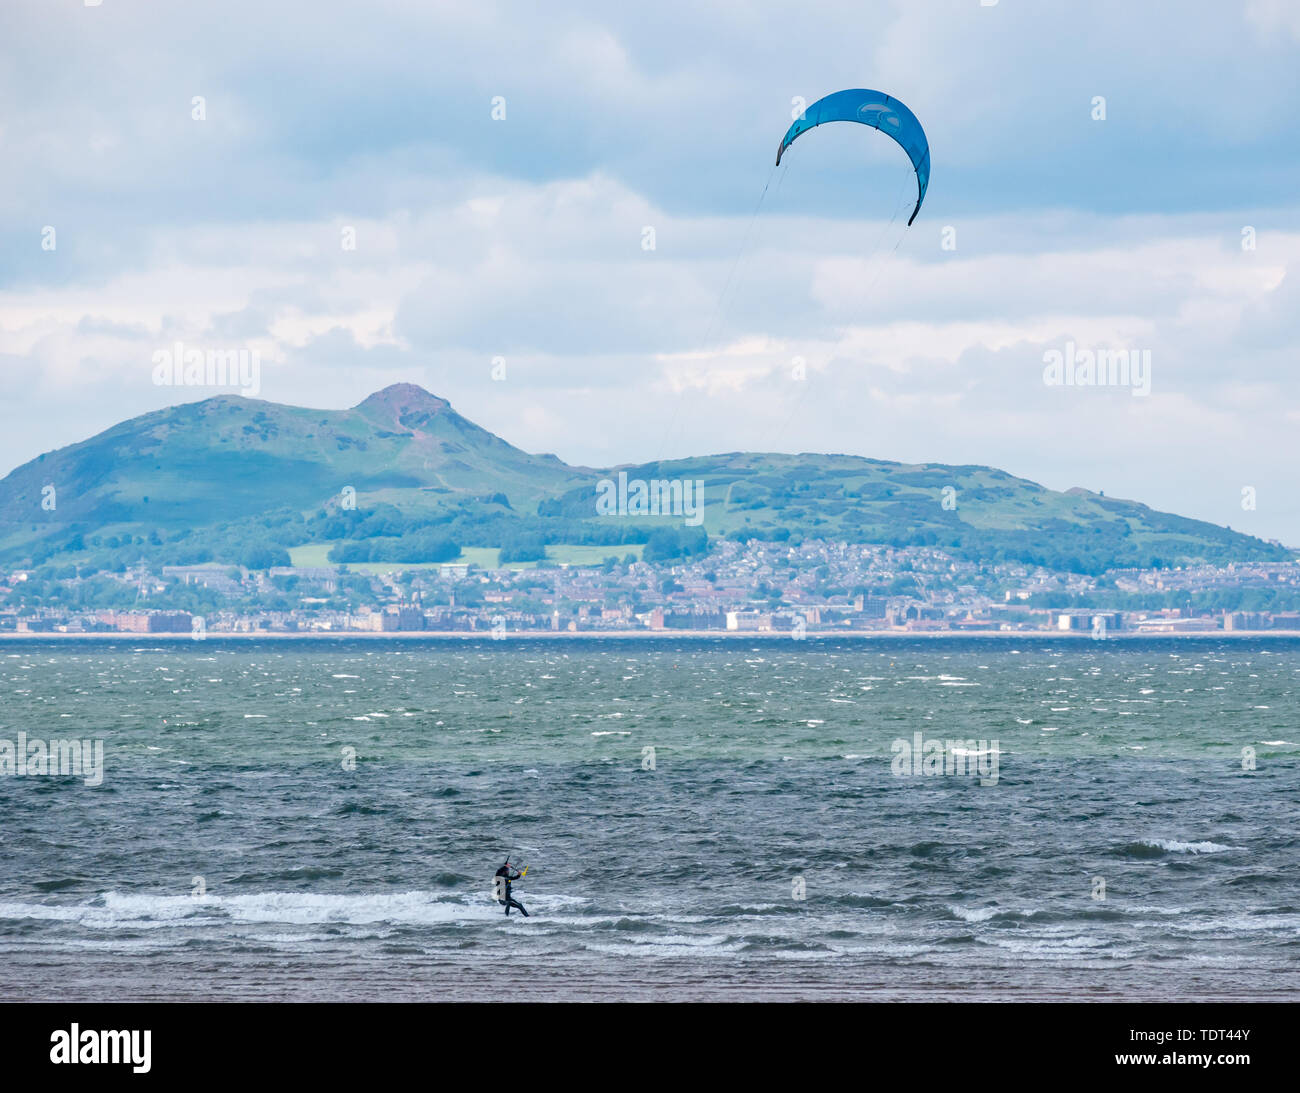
(403, 477)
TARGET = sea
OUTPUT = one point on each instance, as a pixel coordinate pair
(735, 818)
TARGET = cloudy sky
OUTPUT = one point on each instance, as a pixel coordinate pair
(1108, 174)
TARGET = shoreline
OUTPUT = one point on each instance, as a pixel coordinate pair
(342, 976)
(654, 635)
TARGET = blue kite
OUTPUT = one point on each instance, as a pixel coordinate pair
(878, 110)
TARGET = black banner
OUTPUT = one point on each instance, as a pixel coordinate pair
(151, 1041)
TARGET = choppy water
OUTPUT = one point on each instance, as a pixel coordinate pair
(226, 762)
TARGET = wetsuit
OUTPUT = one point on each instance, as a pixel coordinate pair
(503, 887)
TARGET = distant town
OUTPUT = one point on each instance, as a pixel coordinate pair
(817, 587)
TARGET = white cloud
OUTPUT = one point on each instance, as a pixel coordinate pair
(523, 238)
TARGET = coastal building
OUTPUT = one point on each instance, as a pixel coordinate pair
(748, 620)
(147, 622)
(1172, 624)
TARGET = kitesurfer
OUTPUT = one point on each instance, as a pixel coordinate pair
(501, 887)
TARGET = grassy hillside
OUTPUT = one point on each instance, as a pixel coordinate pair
(237, 480)
(976, 512)
(227, 458)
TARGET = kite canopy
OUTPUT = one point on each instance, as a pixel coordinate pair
(878, 110)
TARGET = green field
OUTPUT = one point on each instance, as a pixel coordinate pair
(316, 554)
